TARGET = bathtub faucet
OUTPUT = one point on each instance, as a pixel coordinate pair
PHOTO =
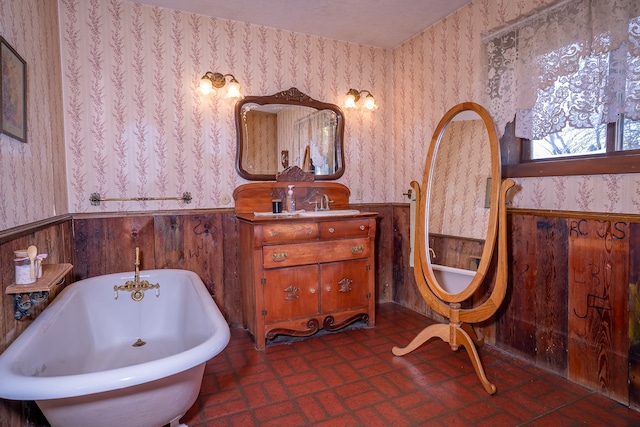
(432, 252)
(135, 286)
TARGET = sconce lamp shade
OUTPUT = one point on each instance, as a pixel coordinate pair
(234, 89)
(370, 102)
(206, 87)
(211, 82)
(351, 99)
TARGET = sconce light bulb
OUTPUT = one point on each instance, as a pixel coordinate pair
(234, 89)
(370, 102)
(206, 87)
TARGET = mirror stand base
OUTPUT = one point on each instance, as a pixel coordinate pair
(456, 334)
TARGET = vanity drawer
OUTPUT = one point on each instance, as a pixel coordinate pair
(346, 228)
(315, 253)
(274, 233)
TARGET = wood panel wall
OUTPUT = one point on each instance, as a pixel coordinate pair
(53, 237)
(205, 242)
(573, 303)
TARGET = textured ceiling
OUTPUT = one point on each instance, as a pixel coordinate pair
(380, 23)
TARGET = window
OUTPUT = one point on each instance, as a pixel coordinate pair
(571, 76)
(605, 149)
(623, 135)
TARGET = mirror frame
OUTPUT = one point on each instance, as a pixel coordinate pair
(492, 227)
(292, 97)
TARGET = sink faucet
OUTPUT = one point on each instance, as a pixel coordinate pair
(324, 203)
(432, 252)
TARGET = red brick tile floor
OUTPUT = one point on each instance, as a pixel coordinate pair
(351, 378)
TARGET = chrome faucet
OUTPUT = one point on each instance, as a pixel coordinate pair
(432, 252)
(324, 203)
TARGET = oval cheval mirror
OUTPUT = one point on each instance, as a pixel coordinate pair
(462, 198)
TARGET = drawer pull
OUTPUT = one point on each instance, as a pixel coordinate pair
(362, 227)
(356, 249)
(331, 229)
(279, 257)
(309, 231)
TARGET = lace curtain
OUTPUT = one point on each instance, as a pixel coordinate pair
(575, 63)
(316, 133)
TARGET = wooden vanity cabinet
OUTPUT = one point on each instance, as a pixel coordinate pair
(303, 274)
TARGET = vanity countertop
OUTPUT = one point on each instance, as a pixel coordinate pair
(286, 217)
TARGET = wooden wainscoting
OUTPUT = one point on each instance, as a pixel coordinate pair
(53, 237)
(573, 296)
(573, 301)
(205, 242)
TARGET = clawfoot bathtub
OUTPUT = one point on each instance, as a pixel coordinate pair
(91, 359)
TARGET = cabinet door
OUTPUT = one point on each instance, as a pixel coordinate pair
(290, 292)
(344, 285)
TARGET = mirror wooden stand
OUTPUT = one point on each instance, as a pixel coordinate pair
(459, 332)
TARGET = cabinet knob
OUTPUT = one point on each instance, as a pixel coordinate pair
(362, 227)
(331, 229)
(312, 290)
(328, 288)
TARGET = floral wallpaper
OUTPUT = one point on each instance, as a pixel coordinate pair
(137, 127)
(443, 66)
(32, 176)
(130, 122)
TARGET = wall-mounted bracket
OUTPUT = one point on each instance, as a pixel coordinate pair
(21, 306)
(28, 295)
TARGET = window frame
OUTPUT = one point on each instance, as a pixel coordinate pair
(515, 165)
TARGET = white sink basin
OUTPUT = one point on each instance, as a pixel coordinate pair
(336, 212)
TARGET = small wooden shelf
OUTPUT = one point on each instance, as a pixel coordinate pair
(25, 296)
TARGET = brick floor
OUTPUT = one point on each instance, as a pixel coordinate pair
(351, 378)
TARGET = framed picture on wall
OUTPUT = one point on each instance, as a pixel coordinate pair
(13, 93)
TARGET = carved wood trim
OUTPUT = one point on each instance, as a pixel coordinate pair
(329, 326)
(293, 94)
(294, 174)
(312, 327)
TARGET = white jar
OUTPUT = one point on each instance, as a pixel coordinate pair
(23, 268)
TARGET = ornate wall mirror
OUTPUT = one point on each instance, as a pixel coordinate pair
(288, 129)
(463, 153)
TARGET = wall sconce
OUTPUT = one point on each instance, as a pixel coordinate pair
(353, 96)
(211, 82)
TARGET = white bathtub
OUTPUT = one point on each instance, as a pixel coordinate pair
(78, 362)
(452, 280)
